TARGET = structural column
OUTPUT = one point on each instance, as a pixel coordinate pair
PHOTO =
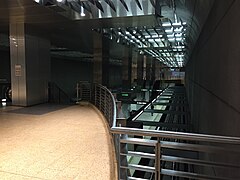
(134, 67)
(127, 68)
(30, 66)
(140, 70)
(100, 60)
(157, 69)
(148, 62)
(153, 77)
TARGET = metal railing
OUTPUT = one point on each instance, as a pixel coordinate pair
(175, 154)
(99, 96)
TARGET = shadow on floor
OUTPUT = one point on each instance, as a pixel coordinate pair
(39, 109)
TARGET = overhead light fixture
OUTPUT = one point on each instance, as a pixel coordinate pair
(59, 0)
(171, 39)
(179, 47)
(158, 40)
(166, 24)
(177, 24)
(169, 30)
(179, 35)
(178, 29)
(179, 39)
(82, 12)
(179, 55)
(170, 35)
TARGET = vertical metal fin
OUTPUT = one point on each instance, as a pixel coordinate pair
(85, 5)
(138, 3)
(124, 4)
(97, 4)
(110, 3)
(76, 6)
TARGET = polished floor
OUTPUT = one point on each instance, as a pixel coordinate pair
(55, 142)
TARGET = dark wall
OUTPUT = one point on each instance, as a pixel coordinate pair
(213, 72)
(115, 76)
(5, 71)
(66, 73)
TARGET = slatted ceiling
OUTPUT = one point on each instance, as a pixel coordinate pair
(36, 14)
(144, 38)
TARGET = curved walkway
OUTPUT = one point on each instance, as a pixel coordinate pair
(55, 142)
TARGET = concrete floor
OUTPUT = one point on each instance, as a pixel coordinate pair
(55, 142)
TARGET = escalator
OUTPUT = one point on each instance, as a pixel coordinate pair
(5, 93)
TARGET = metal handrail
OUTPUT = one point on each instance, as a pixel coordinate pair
(103, 99)
(176, 135)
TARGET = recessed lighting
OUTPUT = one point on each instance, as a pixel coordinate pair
(82, 12)
(178, 39)
(177, 24)
(169, 30)
(166, 24)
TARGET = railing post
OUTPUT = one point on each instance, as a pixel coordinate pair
(158, 160)
(59, 98)
(77, 92)
(100, 98)
(117, 149)
(123, 173)
(105, 102)
(90, 92)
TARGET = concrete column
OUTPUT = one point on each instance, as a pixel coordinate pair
(140, 70)
(100, 60)
(153, 77)
(157, 70)
(30, 66)
(127, 68)
(134, 67)
(148, 61)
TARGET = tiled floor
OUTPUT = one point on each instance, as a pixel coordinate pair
(65, 143)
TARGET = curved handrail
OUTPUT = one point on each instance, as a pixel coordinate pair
(104, 100)
(113, 104)
(176, 135)
(98, 95)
